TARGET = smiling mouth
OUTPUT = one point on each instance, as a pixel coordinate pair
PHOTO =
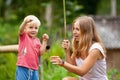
(75, 36)
(33, 33)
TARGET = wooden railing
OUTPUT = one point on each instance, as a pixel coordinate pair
(9, 48)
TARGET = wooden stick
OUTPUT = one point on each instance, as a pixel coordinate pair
(64, 12)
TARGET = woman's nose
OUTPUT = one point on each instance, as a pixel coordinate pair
(74, 31)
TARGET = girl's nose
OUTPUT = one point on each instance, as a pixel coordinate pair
(33, 29)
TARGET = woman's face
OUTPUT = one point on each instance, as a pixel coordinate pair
(76, 31)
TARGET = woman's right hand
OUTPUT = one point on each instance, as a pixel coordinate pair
(66, 44)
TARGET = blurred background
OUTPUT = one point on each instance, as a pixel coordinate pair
(106, 14)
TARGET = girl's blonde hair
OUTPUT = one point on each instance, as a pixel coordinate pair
(88, 35)
(34, 19)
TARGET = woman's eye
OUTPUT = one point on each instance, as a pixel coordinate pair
(77, 29)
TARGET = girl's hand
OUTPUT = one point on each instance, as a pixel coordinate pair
(66, 44)
(45, 37)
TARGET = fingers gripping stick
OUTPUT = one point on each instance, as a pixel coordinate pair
(66, 44)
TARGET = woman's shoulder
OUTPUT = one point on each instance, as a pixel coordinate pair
(98, 46)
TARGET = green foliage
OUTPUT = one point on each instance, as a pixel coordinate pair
(14, 10)
(89, 6)
(114, 74)
(118, 7)
(72, 9)
(54, 72)
(7, 66)
(104, 7)
(8, 33)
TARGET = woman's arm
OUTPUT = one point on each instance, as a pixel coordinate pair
(66, 46)
(87, 65)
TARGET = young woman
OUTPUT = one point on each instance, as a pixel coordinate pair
(88, 58)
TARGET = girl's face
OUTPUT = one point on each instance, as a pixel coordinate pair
(76, 31)
(31, 29)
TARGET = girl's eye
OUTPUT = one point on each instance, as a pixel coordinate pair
(36, 27)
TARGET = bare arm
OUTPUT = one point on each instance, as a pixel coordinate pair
(44, 44)
(66, 46)
(23, 25)
(21, 28)
(87, 65)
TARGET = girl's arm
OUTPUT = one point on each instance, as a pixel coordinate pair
(23, 25)
(44, 44)
(21, 28)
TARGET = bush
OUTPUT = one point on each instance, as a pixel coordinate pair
(114, 74)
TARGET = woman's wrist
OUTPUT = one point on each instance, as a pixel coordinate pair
(63, 62)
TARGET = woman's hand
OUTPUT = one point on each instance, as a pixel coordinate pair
(56, 60)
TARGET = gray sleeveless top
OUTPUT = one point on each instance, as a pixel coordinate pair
(98, 71)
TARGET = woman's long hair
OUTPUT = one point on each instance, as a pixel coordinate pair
(88, 35)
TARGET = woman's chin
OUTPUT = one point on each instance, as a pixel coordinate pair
(76, 39)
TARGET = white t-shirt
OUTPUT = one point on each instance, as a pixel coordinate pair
(98, 71)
